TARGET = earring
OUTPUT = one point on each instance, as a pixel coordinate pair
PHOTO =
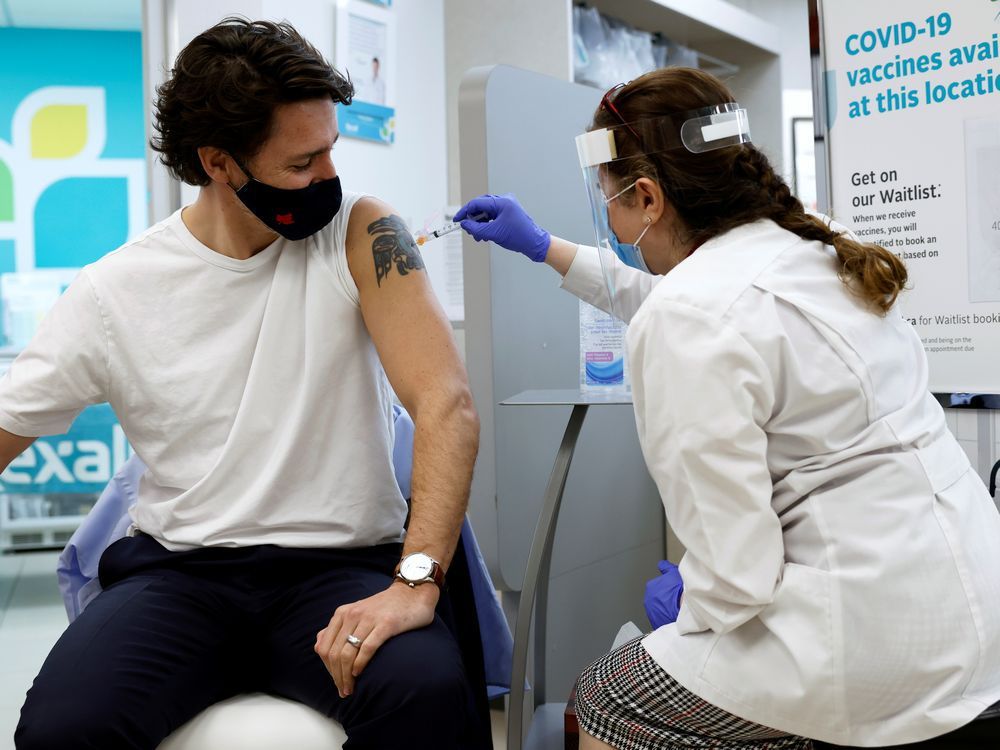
(646, 219)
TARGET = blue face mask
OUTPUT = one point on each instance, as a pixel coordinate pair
(629, 254)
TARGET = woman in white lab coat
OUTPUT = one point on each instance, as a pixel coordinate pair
(842, 574)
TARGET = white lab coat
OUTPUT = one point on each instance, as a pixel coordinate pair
(842, 574)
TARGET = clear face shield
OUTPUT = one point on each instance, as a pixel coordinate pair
(698, 131)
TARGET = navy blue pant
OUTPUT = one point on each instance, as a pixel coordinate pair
(174, 632)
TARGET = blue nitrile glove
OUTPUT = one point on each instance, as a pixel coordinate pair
(506, 224)
(663, 595)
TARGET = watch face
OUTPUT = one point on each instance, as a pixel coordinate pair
(416, 567)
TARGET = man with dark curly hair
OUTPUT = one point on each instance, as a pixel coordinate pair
(247, 344)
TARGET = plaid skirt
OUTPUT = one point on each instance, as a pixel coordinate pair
(630, 702)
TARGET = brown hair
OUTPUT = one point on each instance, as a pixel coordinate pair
(225, 85)
(718, 190)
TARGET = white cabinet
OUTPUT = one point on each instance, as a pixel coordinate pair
(537, 35)
(726, 32)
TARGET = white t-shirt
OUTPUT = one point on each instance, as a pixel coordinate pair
(250, 388)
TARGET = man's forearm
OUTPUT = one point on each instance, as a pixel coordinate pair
(445, 445)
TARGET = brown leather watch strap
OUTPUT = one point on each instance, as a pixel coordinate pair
(437, 575)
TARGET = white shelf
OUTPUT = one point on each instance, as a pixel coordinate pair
(36, 531)
(699, 24)
(41, 523)
(12, 541)
(720, 30)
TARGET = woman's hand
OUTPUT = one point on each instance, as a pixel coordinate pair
(501, 219)
(663, 595)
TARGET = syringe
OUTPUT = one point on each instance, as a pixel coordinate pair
(451, 226)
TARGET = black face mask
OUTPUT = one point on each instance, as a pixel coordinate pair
(294, 214)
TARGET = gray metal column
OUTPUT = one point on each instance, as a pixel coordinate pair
(516, 133)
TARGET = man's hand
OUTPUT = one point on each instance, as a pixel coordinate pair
(373, 621)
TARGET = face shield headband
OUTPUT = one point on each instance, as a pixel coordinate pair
(697, 131)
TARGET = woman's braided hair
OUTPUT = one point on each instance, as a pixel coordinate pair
(719, 190)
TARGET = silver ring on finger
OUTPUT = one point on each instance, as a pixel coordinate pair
(354, 640)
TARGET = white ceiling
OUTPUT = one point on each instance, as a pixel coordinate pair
(72, 14)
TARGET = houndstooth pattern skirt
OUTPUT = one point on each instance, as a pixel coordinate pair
(630, 702)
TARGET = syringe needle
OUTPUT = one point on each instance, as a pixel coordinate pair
(451, 226)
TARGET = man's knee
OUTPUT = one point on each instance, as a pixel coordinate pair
(415, 689)
(421, 665)
(44, 735)
(49, 722)
(58, 713)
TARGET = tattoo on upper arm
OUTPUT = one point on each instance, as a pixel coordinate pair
(393, 244)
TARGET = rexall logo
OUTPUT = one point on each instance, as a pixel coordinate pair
(83, 460)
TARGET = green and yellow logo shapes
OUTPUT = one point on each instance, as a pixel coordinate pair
(7, 249)
(72, 145)
(58, 131)
(63, 202)
(6, 193)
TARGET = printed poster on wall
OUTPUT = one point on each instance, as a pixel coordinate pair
(366, 48)
(913, 92)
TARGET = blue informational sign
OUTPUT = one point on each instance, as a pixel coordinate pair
(81, 461)
(912, 92)
(371, 122)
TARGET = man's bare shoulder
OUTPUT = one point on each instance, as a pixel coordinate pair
(379, 244)
(366, 212)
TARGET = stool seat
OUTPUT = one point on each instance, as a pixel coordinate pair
(257, 722)
(981, 733)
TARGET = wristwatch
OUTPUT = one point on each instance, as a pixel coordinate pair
(417, 568)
